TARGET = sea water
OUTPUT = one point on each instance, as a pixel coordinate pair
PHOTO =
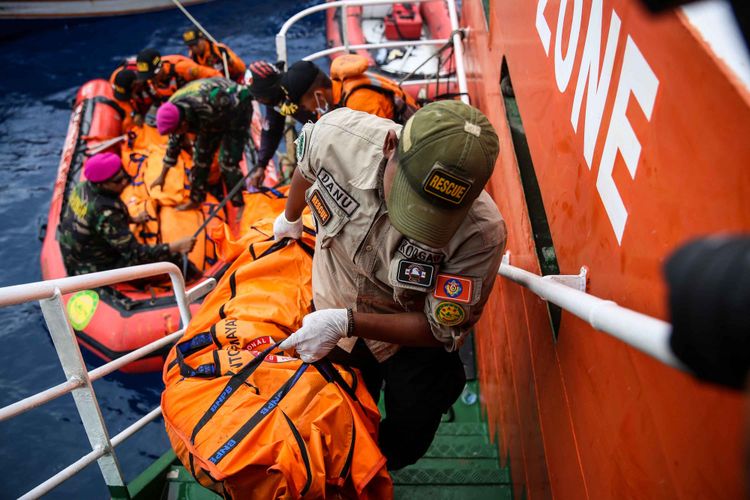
(40, 73)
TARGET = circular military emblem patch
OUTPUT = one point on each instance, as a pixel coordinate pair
(449, 314)
(300, 146)
(453, 288)
(81, 308)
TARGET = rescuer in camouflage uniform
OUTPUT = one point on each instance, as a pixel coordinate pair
(218, 112)
(94, 230)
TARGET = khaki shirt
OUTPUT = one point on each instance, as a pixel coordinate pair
(362, 261)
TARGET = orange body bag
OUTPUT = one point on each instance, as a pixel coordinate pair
(250, 422)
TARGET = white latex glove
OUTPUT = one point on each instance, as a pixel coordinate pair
(283, 228)
(320, 332)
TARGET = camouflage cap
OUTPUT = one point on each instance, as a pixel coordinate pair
(446, 155)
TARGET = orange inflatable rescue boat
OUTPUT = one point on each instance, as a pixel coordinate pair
(113, 321)
(391, 24)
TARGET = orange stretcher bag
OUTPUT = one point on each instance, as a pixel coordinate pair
(246, 420)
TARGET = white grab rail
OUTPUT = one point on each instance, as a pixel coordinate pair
(46, 289)
(79, 381)
(383, 45)
(458, 53)
(648, 335)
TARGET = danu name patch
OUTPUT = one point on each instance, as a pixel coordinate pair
(318, 204)
(339, 195)
(446, 186)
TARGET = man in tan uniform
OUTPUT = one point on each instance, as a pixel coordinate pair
(407, 252)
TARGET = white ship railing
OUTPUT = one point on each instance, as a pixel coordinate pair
(78, 380)
(648, 335)
(458, 52)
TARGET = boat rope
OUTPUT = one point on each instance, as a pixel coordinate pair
(98, 148)
(203, 30)
(221, 205)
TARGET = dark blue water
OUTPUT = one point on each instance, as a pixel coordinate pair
(39, 76)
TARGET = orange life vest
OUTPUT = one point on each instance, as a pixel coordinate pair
(250, 422)
(349, 74)
(139, 102)
(179, 70)
(212, 58)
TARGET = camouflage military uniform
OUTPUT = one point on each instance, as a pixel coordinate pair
(95, 234)
(218, 111)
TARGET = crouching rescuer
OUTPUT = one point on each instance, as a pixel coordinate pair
(95, 227)
(218, 112)
(406, 255)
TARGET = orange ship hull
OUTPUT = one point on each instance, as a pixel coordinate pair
(638, 137)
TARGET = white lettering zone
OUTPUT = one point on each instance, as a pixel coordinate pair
(637, 79)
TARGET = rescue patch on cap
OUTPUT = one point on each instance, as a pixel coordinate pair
(142, 66)
(449, 314)
(188, 36)
(455, 288)
(415, 273)
(320, 208)
(446, 186)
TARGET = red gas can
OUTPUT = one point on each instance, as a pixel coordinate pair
(404, 22)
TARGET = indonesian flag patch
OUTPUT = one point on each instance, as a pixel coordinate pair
(453, 288)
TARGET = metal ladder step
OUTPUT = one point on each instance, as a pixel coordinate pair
(454, 471)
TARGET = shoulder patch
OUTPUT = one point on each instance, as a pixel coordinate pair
(449, 314)
(78, 204)
(415, 273)
(320, 208)
(343, 199)
(411, 250)
(300, 143)
(454, 288)
(81, 308)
